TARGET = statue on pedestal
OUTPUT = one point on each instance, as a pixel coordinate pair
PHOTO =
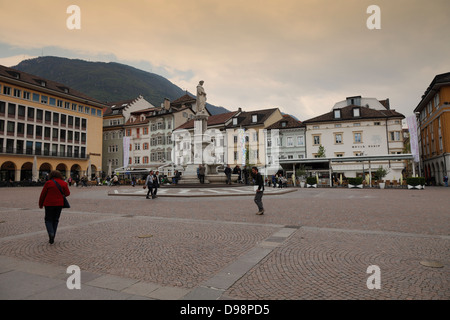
(201, 98)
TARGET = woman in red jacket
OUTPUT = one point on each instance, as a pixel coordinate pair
(52, 199)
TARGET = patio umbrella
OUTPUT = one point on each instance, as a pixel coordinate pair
(317, 178)
(34, 170)
(109, 169)
(340, 179)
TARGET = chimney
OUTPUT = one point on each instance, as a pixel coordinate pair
(166, 104)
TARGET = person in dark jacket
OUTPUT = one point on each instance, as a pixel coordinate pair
(259, 181)
(53, 200)
(228, 174)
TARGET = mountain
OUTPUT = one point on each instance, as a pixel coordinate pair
(107, 82)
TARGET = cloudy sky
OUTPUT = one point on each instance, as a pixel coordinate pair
(302, 56)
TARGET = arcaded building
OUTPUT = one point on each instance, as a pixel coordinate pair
(45, 126)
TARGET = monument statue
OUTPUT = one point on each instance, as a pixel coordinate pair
(201, 98)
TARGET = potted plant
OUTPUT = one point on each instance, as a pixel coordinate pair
(379, 175)
(355, 182)
(311, 182)
(301, 172)
(415, 182)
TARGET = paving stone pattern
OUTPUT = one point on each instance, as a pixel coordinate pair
(311, 244)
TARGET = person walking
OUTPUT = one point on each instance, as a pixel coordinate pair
(228, 174)
(445, 180)
(149, 184)
(201, 173)
(155, 184)
(52, 199)
(260, 191)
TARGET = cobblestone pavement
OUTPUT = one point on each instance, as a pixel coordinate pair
(310, 244)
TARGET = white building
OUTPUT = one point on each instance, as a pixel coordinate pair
(357, 127)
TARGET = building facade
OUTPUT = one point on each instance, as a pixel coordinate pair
(114, 119)
(45, 126)
(434, 129)
(246, 139)
(285, 140)
(148, 135)
(357, 127)
(214, 139)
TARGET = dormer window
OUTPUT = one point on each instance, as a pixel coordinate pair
(283, 124)
(337, 114)
(235, 121)
(254, 118)
(356, 112)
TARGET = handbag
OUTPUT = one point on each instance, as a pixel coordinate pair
(66, 203)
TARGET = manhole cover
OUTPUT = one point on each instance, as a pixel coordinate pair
(431, 263)
(145, 236)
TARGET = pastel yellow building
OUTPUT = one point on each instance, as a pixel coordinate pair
(45, 126)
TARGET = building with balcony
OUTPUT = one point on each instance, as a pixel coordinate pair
(434, 129)
(45, 126)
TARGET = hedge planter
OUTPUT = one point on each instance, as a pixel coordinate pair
(415, 183)
(311, 182)
(355, 182)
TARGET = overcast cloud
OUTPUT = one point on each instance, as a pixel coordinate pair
(302, 56)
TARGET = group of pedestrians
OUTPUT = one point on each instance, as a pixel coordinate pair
(152, 184)
(56, 189)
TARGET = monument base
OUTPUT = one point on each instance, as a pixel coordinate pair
(189, 175)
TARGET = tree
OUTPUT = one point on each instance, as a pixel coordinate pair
(321, 152)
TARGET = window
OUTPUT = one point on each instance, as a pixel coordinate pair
(300, 140)
(235, 120)
(395, 135)
(316, 140)
(357, 137)
(17, 93)
(338, 138)
(11, 110)
(26, 95)
(290, 142)
(137, 146)
(356, 112)
(7, 90)
(35, 97)
(436, 100)
(339, 154)
(44, 99)
(377, 123)
(30, 114)
(337, 114)
(21, 112)
(52, 102)
(254, 118)
(255, 136)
